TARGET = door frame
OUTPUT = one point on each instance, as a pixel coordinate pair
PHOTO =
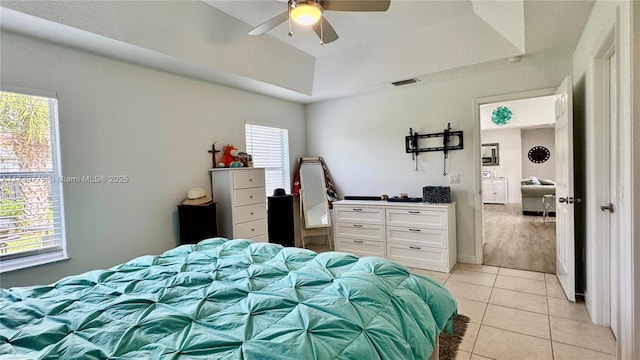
(477, 141)
(598, 301)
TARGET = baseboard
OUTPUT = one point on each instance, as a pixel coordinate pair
(589, 306)
(467, 259)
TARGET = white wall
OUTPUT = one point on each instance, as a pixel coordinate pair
(539, 137)
(155, 127)
(510, 164)
(362, 137)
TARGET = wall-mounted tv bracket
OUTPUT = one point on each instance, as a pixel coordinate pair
(411, 144)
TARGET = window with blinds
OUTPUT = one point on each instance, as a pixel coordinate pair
(269, 147)
(31, 210)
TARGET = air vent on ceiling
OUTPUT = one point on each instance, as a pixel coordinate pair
(405, 82)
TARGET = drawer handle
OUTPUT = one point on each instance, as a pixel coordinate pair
(251, 213)
(356, 209)
(414, 212)
(250, 180)
(358, 241)
(253, 229)
(357, 225)
(415, 247)
(250, 196)
(416, 230)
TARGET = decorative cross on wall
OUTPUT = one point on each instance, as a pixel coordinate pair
(213, 153)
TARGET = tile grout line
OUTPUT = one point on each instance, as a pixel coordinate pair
(483, 313)
(524, 334)
(584, 348)
(546, 291)
(513, 308)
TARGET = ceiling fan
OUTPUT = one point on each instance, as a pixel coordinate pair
(309, 13)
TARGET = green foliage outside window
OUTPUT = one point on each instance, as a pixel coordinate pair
(25, 145)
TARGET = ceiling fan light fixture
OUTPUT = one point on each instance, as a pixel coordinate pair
(306, 13)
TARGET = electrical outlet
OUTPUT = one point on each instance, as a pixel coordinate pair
(454, 179)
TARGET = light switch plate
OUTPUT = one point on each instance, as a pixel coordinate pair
(454, 179)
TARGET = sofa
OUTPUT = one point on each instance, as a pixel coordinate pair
(533, 190)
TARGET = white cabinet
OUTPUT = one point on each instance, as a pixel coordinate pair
(241, 203)
(414, 234)
(494, 190)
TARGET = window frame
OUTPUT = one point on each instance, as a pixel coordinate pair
(36, 257)
(285, 168)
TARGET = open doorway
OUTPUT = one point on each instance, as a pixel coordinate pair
(518, 183)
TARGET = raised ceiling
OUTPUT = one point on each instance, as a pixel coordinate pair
(208, 40)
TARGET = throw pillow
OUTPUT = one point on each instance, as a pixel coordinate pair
(533, 181)
(546, 182)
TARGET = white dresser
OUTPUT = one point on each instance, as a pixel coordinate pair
(418, 235)
(494, 190)
(241, 203)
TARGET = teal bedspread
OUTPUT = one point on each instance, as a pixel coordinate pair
(230, 299)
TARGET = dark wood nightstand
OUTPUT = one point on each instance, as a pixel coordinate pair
(197, 222)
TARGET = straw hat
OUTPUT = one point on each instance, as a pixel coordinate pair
(196, 196)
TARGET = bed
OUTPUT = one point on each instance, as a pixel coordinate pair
(230, 299)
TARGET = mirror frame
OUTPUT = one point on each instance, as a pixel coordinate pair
(324, 194)
(495, 160)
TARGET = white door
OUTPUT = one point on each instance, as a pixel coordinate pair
(613, 242)
(565, 239)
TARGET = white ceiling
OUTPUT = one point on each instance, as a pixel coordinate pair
(354, 28)
(208, 40)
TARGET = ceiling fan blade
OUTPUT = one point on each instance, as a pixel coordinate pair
(326, 33)
(270, 24)
(355, 5)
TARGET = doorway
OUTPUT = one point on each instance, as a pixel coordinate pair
(518, 183)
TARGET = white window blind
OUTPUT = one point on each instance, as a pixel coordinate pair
(31, 206)
(269, 147)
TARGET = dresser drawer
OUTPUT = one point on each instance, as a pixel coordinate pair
(249, 212)
(417, 236)
(422, 257)
(360, 231)
(243, 179)
(360, 247)
(358, 214)
(432, 219)
(249, 196)
(260, 238)
(250, 229)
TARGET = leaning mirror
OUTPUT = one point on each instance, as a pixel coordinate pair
(315, 206)
(490, 154)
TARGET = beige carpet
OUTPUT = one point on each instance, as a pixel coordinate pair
(518, 241)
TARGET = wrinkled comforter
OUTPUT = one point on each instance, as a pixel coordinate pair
(230, 299)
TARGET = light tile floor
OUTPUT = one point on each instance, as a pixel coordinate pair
(518, 314)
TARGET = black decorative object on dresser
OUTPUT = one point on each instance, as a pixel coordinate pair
(197, 222)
